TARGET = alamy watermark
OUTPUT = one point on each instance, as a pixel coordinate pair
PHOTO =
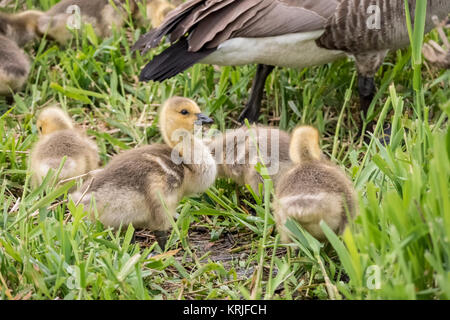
(373, 277)
(374, 19)
(74, 20)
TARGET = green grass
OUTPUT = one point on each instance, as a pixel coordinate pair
(219, 250)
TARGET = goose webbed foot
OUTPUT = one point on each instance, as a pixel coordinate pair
(161, 238)
(251, 110)
(386, 132)
(384, 136)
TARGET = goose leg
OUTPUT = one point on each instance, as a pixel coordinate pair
(251, 110)
(367, 90)
(367, 65)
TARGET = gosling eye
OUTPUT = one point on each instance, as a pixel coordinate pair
(184, 112)
(40, 129)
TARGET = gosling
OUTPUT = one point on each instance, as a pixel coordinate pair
(14, 67)
(21, 28)
(144, 185)
(314, 189)
(16, 30)
(58, 139)
(238, 151)
(103, 15)
(157, 11)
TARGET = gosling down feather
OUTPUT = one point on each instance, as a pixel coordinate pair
(22, 27)
(103, 15)
(58, 139)
(157, 11)
(14, 67)
(313, 190)
(238, 151)
(16, 30)
(144, 185)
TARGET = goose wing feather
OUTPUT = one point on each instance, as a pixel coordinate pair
(210, 22)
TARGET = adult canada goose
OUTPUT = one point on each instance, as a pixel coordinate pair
(286, 33)
(142, 186)
(58, 139)
(14, 67)
(103, 15)
(238, 151)
(314, 189)
(20, 27)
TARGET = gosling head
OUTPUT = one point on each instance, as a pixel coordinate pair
(180, 115)
(305, 145)
(21, 27)
(53, 119)
(157, 10)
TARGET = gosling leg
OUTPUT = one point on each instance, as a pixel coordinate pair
(161, 238)
(251, 110)
(9, 100)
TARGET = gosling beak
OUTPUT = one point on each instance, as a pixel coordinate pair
(202, 119)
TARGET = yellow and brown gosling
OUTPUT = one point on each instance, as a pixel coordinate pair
(14, 67)
(20, 27)
(16, 30)
(314, 189)
(103, 15)
(58, 139)
(157, 11)
(238, 151)
(143, 186)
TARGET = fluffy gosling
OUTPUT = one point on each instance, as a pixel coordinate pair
(314, 189)
(101, 14)
(59, 138)
(21, 27)
(157, 10)
(236, 154)
(16, 30)
(14, 67)
(142, 186)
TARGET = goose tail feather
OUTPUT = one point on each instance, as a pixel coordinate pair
(172, 61)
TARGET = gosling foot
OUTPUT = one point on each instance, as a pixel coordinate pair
(161, 238)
